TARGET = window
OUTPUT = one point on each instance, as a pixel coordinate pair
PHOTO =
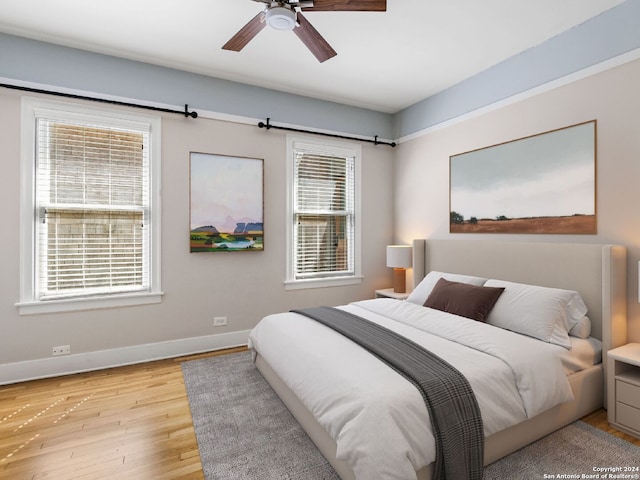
(90, 217)
(323, 232)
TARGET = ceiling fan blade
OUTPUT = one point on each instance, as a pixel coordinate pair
(246, 33)
(347, 6)
(313, 40)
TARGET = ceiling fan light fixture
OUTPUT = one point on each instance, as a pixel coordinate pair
(281, 18)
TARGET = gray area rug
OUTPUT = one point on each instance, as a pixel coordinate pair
(244, 432)
(578, 450)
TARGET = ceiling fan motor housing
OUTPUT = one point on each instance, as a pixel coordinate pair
(281, 18)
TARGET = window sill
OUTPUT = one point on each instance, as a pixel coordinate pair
(322, 282)
(72, 305)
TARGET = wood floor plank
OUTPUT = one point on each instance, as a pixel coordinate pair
(599, 420)
(129, 422)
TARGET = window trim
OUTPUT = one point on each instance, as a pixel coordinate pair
(332, 148)
(28, 304)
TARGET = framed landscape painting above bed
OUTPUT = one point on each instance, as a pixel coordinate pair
(544, 183)
(226, 203)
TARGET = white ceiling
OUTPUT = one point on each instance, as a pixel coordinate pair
(386, 60)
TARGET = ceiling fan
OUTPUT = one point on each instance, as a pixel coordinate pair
(287, 15)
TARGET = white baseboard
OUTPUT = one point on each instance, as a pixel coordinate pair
(84, 362)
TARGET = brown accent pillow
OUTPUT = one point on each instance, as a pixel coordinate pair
(462, 299)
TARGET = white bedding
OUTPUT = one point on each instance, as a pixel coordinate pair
(355, 397)
(584, 353)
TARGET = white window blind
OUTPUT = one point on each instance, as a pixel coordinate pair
(92, 208)
(324, 215)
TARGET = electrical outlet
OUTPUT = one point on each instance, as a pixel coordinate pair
(219, 321)
(61, 350)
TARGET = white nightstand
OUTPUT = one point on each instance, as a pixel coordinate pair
(389, 293)
(623, 388)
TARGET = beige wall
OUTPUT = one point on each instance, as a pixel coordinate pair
(247, 286)
(611, 97)
(243, 286)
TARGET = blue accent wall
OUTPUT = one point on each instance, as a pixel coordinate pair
(39, 62)
(610, 34)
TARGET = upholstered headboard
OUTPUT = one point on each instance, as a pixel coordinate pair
(597, 271)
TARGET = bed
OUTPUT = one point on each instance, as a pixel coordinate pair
(289, 351)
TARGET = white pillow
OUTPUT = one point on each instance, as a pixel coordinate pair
(582, 329)
(423, 289)
(540, 312)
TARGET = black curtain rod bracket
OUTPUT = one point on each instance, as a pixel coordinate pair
(186, 111)
(375, 141)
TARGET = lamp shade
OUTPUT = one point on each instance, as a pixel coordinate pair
(399, 256)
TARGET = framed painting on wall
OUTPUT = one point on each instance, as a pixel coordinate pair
(226, 210)
(545, 183)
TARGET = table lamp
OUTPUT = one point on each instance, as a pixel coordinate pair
(399, 257)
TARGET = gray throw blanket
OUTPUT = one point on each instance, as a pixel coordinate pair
(452, 405)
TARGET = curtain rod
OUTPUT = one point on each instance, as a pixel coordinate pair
(374, 141)
(186, 111)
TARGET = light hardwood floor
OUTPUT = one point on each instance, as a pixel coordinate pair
(130, 423)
